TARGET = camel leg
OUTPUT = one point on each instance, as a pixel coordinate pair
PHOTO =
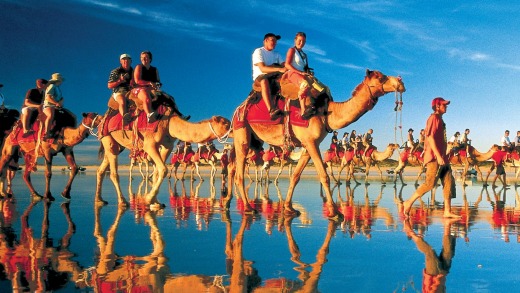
(279, 171)
(48, 175)
(69, 156)
(367, 171)
(351, 167)
(241, 142)
(479, 172)
(312, 152)
(330, 167)
(380, 174)
(151, 147)
(110, 159)
(197, 169)
(7, 155)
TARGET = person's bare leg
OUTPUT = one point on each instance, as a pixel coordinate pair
(448, 184)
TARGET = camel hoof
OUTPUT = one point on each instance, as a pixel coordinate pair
(35, 196)
(157, 206)
(338, 217)
(100, 202)
(291, 213)
(49, 197)
(65, 195)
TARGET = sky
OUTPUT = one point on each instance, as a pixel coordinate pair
(464, 51)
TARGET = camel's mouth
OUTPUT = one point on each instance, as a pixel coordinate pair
(397, 84)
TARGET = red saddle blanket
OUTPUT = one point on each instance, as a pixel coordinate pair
(179, 158)
(17, 136)
(406, 154)
(257, 113)
(115, 122)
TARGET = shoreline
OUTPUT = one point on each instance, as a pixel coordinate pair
(409, 174)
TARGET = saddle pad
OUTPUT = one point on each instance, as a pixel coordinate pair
(257, 113)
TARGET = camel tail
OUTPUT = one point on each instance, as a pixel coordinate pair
(101, 152)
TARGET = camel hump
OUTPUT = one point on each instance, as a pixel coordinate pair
(65, 118)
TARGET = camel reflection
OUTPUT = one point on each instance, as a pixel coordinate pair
(33, 264)
(307, 279)
(183, 205)
(360, 217)
(437, 266)
(113, 273)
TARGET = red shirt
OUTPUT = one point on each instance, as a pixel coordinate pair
(435, 128)
(499, 157)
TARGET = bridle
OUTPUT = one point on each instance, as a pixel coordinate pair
(222, 139)
(91, 128)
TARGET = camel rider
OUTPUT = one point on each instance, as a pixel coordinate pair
(410, 143)
(298, 72)
(32, 103)
(464, 141)
(120, 81)
(53, 99)
(516, 141)
(367, 139)
(454, 140)
(267, 65)
(146, 78)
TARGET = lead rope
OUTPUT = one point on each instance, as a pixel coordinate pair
(398, 118)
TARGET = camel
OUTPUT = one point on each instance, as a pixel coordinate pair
(462, 159)
(351, 161)
(514, 157)
(195, 161)
(158, 145)
(67, 139)
(8, 118)
(414, 159)
(283, 159)
(339, 115)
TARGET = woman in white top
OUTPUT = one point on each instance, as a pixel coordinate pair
(297, 73)
(53, 99)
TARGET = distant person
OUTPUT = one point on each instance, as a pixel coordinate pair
(505, 142)
(354, 142)
(422, 138)
(53, 99)
(498, 159)
(224, 162)
(435, 159)
(454, 141)
(410, 143)
(33, 103)
(516, 141)
(344, 141)
(267, 65)
(120, 81)
(367, 139)
(146, 78)
(298, 73)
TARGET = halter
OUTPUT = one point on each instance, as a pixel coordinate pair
(91, 128)
(222, 139)
(374, 98)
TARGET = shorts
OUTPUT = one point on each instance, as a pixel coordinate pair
(501, 170)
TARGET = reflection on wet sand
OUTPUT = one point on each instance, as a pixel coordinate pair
(437, 266)
(131, 273)
(33, 264)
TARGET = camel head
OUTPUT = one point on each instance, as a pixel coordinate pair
(380, 84)
(91, 120)
(220, 126)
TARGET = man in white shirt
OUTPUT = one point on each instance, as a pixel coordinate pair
(505, 142)
(267, 63)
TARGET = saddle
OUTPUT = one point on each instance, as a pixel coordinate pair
(139, 122)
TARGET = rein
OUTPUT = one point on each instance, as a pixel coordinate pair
(91, 128)
(224, 138)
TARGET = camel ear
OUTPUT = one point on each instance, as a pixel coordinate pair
(368, 72)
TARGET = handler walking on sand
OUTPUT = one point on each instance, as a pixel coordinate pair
(436, 160)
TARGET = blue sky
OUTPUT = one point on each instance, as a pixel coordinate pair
(464, 51)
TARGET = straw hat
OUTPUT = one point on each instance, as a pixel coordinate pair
(56, 77)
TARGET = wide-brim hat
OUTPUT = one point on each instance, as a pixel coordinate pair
(56, 77)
